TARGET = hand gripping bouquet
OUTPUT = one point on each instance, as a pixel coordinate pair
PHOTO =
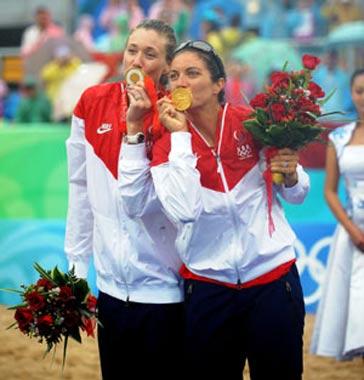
(57, 307)
(286, 116)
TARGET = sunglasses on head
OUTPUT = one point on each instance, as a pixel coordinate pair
(205, 47)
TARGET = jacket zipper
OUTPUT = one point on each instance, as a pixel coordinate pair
(120, 230)
(220, 171)
(230, 205)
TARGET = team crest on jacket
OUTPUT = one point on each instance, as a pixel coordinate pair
(243, 149)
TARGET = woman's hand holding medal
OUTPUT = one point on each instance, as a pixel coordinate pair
(139, 102)
(171, 111)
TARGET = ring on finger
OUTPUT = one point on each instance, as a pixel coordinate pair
(285, 164)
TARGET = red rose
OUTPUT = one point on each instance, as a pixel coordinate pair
(35, 300)
(289, 117)
(45, 320)
(306, 105)
(315, 90)
(278, 111)
(44, 283)
(24, 317)
(89, 326)
(91, 303)
(65, 293)
(279, 79)
(259, 101)
(44, 324)
(310, 61)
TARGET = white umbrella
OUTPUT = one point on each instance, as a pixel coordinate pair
(35, 62)
(87, 74)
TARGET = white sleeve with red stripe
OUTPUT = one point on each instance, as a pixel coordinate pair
(177, 181)
(135, 181)
(79, 226)
(297, 193)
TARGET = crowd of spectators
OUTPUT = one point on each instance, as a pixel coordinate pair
(101, 33)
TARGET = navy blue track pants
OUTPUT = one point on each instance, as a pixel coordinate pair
(262, 324)
(140, 341)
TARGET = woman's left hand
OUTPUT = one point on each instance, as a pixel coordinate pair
(139, 106)
(285, 162)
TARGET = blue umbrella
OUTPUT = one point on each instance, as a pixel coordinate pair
(349, 33)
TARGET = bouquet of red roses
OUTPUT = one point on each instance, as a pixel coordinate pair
(57, 306)
(286, 114)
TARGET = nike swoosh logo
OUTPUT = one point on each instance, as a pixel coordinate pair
(104, 128)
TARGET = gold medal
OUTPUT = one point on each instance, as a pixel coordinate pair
(278, 178)
(181, 98)
(133, 76)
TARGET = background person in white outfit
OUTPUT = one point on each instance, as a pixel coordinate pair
(339, 327)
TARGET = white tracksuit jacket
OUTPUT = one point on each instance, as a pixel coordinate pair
(134, 258)
(217, 199)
